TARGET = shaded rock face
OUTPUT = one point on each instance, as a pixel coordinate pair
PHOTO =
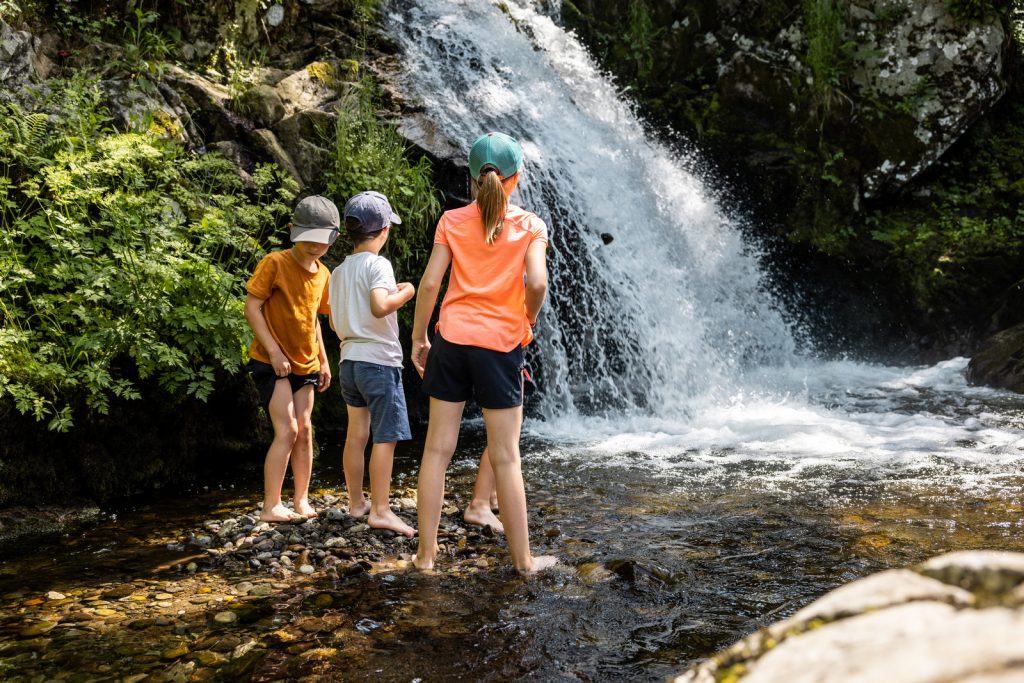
(1000, 361)
(904, 80)
(957, 617)
(22, 60)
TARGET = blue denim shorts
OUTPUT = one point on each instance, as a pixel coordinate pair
(378, 387)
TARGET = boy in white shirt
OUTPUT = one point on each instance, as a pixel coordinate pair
(364, 301)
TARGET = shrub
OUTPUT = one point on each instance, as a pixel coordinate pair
(368, 154)
(122, 258)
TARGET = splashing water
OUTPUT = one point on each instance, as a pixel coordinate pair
(664, 347)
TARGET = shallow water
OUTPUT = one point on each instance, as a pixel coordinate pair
(671, 549)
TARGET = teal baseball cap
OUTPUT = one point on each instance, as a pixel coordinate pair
(501, 151)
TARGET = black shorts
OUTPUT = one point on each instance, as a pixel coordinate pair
(456, 373)
(266, 379)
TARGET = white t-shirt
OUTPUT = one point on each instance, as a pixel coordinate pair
(363, 336)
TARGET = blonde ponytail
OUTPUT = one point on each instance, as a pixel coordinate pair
(490, 197)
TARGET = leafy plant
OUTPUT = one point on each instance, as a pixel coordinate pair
(368, 154)
(122, 259)
(966, 11)
(828, 56)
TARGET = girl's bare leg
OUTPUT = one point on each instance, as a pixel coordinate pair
(479, 509)
(442, 437)
(503, 427)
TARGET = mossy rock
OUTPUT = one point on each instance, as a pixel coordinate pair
(1000, 362)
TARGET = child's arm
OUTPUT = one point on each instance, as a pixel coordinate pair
(325, 365)
(430, 287)
(536, 279)
(383, 304)
(254, 314)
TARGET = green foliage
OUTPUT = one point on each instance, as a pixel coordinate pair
(952, 238)
(368, 154)
(639, 38)
(144, 49)
(122, 259)
(828, 56)
(969, 11)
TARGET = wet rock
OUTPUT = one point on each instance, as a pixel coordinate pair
(36, 629)
(226, 617)
(306, 569)
(1000, 361)
(946, 623)
(179, 650)
(54, 595)
(210, 658)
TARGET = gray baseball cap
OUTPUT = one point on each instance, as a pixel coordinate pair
(315, 220)
(372, 210)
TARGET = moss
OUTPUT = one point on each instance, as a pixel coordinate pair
(323, 73)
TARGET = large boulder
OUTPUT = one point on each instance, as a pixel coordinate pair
(22, 60)
(958, 617)
(890, 91)
(1000, 361)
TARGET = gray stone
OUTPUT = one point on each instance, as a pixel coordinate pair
(914, 643)
(991, 571)
(306, 137)
(875, 592)
(1000, 361)
(268, 143)
(262, 104)
(309, 88)
(21, 60)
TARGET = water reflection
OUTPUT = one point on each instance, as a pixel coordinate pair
(657, 572)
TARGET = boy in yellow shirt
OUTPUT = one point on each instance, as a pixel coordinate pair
(286, 291)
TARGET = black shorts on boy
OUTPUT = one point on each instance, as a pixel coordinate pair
(265, 378)
(458, 372)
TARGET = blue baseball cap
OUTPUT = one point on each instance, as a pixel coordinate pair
(372, 210)
(501, 151)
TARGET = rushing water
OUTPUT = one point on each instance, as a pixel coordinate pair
(698, 472)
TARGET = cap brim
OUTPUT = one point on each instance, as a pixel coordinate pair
(318, 235)
(394, 219)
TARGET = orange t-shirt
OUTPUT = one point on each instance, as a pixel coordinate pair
(485, 304)
(292, 297)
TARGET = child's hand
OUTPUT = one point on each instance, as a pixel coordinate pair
(420, 349)
(282, 366)
(407, 290)
(325, 377)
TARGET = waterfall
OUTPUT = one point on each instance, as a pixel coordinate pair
(674, 310)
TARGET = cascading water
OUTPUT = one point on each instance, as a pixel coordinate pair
(673, 308)
(664, 346)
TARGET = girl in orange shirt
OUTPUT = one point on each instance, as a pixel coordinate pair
(487, 317)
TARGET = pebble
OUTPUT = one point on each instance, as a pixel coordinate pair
(225, 617)
(54, 595)
(306, 569)
(210, 658)
(37, 629)
(163, 596)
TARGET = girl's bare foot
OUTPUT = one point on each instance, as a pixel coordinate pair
(540, 563)
(278, 513)
(389, 520)
(305, 509)
(481, 515)
(358, 509)
(494, 503)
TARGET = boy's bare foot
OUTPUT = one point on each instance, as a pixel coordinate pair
(494, 503)
(540, 563)
(423, 563)
(481, 515)
(278, 513)
(359, 509)
(305, 509)
(389, 520)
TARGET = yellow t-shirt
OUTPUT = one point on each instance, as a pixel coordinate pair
(485, 304)
(292, 297)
